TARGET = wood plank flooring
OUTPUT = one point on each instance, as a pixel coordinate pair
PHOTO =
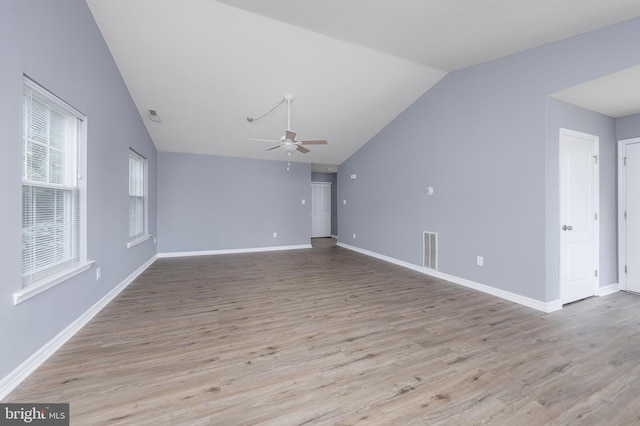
(326, 336)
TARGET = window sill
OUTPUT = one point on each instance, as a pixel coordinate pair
(137, 241)
(37, 288)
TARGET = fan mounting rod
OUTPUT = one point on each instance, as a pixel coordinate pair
(288, 97)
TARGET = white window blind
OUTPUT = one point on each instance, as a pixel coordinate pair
(137, 197)
(51, 215)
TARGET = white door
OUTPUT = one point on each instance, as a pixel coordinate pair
(320, 209)
(578, 215)
(630, 205)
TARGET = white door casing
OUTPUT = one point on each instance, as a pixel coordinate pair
(320, 209)
(629, 214)
(579, 226)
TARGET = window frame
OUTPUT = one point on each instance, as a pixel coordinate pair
(142, 174)
(51, 275)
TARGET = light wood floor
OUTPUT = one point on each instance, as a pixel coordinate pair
(323, 242)
(328, 336)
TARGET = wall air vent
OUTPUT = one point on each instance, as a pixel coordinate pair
(430, 250)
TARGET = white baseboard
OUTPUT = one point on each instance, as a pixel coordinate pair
(231, 251)
(512, 297)
(608, 289)
(13, 379)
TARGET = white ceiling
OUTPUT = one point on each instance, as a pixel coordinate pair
(610, 95)
(446, 34)
(353, 66)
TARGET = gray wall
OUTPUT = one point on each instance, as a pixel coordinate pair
(479, 138)
(563, 115)
(628, 127)
(333, 178)
(219, 203)
(58, 44)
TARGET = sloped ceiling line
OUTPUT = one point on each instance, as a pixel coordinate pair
(205, 65)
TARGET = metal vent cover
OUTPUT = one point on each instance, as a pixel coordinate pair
(430, 250)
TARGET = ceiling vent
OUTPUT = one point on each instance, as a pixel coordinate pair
(153, 116)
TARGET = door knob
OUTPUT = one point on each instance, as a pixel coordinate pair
(567, 227)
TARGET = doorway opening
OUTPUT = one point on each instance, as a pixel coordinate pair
(629, 214)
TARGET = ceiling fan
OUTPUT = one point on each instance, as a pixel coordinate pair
(288, 142)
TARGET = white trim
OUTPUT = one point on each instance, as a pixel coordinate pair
(608, 289)
(230, 251)
(51, 281)
(547, 307)
(622, 231)
(36, 87)
(139, 240)
(13, 379)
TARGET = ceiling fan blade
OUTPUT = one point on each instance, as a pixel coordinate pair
(316, 142)
(277, 146)
(265, 140)
(302, 149)
(290, 135)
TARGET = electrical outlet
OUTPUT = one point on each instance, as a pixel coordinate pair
(98, 273)
(480, 261)
(275, 235)
(344, 201)
(304, 202)
(354, 236)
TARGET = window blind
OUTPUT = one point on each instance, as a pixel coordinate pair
(50, 196)
(137, 210)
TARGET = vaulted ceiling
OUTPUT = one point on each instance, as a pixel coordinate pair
(351, 65)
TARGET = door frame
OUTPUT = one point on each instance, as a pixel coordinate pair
(326, 184)
(622, 202)
(596, 197)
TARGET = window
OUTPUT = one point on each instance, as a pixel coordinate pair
(53, 206)
(137, 198)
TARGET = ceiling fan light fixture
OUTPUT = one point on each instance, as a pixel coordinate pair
(289, 142)
(289, 147)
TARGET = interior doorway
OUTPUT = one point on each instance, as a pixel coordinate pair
(320, 209)
(323, 242)
(629, 214)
